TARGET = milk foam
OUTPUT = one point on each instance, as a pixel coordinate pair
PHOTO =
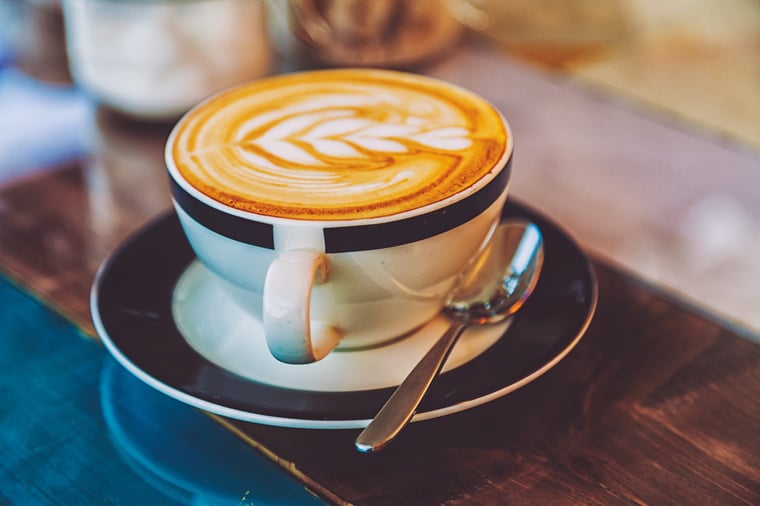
(341, 144)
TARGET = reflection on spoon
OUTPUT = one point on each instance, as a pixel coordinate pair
(494, 287)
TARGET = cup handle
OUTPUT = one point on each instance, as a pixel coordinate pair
(291, 335)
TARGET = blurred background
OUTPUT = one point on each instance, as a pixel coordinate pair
(100, 82)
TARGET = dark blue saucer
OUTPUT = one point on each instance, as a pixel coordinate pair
(131, 306)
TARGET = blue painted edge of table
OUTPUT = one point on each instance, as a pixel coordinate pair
(77, 428)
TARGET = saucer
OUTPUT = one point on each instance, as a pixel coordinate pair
(220, 331)
(161, 315)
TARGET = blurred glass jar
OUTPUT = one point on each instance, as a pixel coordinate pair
(376, 33)
(154, 59)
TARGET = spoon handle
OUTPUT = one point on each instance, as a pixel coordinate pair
(400, 407)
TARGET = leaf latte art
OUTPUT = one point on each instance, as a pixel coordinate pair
(338, 144)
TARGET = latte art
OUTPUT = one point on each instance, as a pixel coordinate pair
(339, 144)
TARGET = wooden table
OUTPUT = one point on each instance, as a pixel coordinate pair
(658, 404)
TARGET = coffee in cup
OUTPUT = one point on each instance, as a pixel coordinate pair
(340, 205)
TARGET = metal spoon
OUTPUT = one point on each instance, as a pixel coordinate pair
(491, 289)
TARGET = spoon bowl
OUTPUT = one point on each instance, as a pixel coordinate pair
(491, 289)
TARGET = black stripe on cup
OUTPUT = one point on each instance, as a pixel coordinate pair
(349, 238)
(234, 227)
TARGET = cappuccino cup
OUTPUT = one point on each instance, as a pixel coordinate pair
(339, 206)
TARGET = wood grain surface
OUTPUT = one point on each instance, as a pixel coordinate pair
(657, 405)
(58, 224)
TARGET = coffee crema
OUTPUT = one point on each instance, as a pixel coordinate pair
(338, 144)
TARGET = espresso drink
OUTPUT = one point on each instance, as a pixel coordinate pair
(338, 144)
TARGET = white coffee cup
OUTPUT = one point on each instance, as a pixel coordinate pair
(319, 282)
